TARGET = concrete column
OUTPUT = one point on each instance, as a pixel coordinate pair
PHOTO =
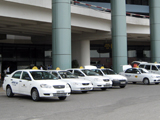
(81, 52)
(119, 37)
(154, 9)
(61, 34)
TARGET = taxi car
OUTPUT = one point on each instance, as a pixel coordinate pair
(117, 80)
(98, 81)
(151, 67)
(35, 83)
(140, 75)
(73, 81)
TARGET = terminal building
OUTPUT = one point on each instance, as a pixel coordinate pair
(53, 33)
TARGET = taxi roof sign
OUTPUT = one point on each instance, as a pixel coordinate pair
(81, 67)
(57, 68)
(35, 68)
(102, 67)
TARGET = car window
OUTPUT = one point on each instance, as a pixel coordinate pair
(158, 66)
(108, 71)
(17, 74)
(55, 74)
(78, 73)
(70, 71)
(143, 70)
(26, 76)
(141, 65)
(42, 75)
(154, 68)
(97, 71)
(135, 71)
(128, 70)
(67, 74)
(147, 67)
(89, 72)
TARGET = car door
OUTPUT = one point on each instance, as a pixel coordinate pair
(148, 67)
(15, 81)
(25, 83)
(154, 69)
(136, 75)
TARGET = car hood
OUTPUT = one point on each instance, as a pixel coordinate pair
(78, 80)
(116, 77)
(100, 77)
(51, 82)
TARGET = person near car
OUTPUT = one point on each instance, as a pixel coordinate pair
(8, 70)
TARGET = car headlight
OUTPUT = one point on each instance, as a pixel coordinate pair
(45, 86)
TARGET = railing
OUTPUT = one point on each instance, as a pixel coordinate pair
(106, 9)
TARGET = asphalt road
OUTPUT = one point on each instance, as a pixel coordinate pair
(135, 102)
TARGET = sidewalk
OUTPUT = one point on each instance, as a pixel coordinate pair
(1, 89)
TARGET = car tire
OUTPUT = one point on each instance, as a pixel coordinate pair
(156, 83)
(146, 81)
(103, 88)
(70, 88)
(134, 82)
(35, 95)
(62, 98)
(122, 86)
(9, 92)
(84, 91)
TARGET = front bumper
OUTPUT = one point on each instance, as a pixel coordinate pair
(54, 92)
(119, 83)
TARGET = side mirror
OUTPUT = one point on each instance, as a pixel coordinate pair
(138, 73)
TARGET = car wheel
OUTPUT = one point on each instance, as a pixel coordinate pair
(146, 81)
(122, 86)
(84, 91)
(103, 88)
(62, 98)
(35, 95)
(134, 82)
(70, 88)
(156, 83)
(9, 92)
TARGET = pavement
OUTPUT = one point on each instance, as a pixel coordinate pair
(1, 89)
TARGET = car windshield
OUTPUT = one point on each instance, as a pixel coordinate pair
(143, 70)
(90, 72)
(158, 66)
(108, 71)
(42, 75)
(97, 71)
(67, 74)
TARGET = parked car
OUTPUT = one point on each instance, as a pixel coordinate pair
(140, 75)
(35, 83)
(117, 80)
(97, 80)
(73, 81)
(151, 67)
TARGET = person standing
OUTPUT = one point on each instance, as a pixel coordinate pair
(41, 68)
(8, 70)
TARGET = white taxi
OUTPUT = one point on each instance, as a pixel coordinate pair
(73, 81)
(140, 75)
(118, 80)
(98, 81)
(35, 83)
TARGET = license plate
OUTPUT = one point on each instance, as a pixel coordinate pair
(123, 82)
(60, 91)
